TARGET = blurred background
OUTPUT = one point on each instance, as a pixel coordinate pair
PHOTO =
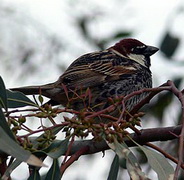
(39, 39)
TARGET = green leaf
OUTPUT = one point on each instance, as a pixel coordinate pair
(34, 141)
(133, 167)
(18, 99)
(10, 147)
(134, 171)
(3, 96)
(113, 173)
(123, 152)
(132, 164)
(58, 148)
(55, 150)
(10, 168)
(40, 98)
(159, 164)
(35, 175)
(4, 125)
(54, 171)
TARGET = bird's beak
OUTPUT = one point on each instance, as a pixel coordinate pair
(150, 50)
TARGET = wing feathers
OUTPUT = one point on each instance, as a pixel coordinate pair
(94, 73)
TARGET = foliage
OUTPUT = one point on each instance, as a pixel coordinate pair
(15, 114)
(27, 51)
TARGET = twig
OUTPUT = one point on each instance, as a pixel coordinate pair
(68, 149)
(164, 153)
(21, 110)
(67, 110)
(51, 120)
(27, 115)
(44, 129)
(181, 136)
(153, 92)
(137, 131)
(73, 158)
(123, 111)
(156, 90)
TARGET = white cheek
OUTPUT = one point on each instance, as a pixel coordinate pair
(138, 58)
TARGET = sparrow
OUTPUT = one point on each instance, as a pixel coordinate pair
(117, 71)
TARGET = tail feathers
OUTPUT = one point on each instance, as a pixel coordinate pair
(27, 90)
(32, 90)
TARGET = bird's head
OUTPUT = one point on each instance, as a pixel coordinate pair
(135, 50)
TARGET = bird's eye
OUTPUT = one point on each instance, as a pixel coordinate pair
(138, 49)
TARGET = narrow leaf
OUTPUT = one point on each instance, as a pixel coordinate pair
(33, 160)
(10, 147)
(34, 141)
(35, 175)
(10, 168)
(3, 96)
(135, 172)
(54, 171)
(133, 167)
(40, 98)
(158, 163)
(18, 99)
(123, 152)
(4, 125)
(113, 173)
(132, 164)
(56, 149)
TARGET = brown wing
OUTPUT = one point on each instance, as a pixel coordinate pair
(106, 66)
(87, 71)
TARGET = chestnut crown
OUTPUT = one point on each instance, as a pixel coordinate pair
(135, 50)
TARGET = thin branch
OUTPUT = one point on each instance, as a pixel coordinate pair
(73, 158)
(137, 131)
(153, 92)
(45, 129)
(21, 110)
(164, 153)
(181, 136)
(68, 149)
(123, 99)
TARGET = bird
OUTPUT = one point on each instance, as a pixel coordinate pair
(116, 71)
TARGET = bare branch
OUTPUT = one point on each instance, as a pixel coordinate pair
(147, 135)
(180, 97)
(73, 158)
(154, 91)
(164, 153)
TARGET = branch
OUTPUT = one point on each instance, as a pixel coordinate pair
(164, 153)
(73, 158)
(181, 135)
(153, 92)
(147, 135)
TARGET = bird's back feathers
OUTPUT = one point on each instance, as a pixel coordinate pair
(108, 73)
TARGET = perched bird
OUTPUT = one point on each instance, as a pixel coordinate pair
(116, 71)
